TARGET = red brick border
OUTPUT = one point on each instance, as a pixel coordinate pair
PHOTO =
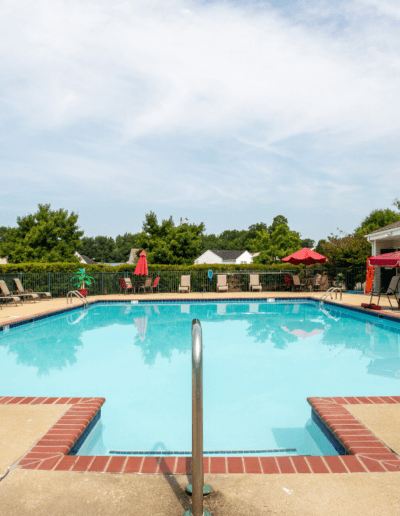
(366, 452)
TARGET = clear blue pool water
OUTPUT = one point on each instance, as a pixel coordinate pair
(261, 361)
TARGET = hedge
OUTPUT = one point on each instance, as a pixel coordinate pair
(72, 267)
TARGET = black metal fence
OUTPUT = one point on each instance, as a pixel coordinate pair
(59, 283)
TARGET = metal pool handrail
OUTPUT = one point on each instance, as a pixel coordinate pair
(79, 296)
(197, 421)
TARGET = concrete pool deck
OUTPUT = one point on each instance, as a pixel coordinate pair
(37, 492)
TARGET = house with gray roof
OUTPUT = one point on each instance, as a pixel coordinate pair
(221, 256)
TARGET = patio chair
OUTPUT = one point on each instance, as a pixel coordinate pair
(316, 282)
(155, 284)
(22, 290)
(297, 284)
(147, 284)
(288, 283)
(7, 295)
(184, 284)
(324, 285)
(125, 284)
(221, 283)
(391, 291)
(254, 283)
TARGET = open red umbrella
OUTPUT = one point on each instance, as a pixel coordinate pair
(386, 260)
(306, 256)
(141, 267)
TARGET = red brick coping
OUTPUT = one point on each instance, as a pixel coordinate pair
(366, 452)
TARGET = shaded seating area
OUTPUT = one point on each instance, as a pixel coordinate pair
(222, 285)
(254, 283)
(29, 292)
(184, 285)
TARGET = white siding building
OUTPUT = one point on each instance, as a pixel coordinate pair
(385, 240)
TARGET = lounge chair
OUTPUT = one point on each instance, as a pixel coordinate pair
(147, 284)
(185, 284)
(255, 283)
(125, 285)
(7, 295)
(221, 283)
(297, 283)
(23, 291)
(391, 291)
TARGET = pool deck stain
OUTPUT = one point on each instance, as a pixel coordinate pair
(46, 490)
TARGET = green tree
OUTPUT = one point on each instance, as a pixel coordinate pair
(307, 242)
(396, 203)
(3, 233)
(278, 221)
(102, 249)
(346, 251)
(377, 219)
(166, 243)
(124, 244)
(45, 236)
(276, 245)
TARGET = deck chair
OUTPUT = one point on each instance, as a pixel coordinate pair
(391, 291)
(24, 291)
(125, 284)
(147, 284)
(316, 282)
(155, 284)
(7, 295)
(254, 283)
(297, 284)
(221, 283)
(324, 285)
(288, 282)
(185, 283)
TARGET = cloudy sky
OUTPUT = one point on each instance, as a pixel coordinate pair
(225, 112)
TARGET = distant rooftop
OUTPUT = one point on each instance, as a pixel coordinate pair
(393, 225)
(227, 255)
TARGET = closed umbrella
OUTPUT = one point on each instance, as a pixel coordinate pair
(141, 267)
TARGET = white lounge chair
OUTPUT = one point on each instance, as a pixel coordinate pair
(185, 284)
(255, 283)
(221, 283)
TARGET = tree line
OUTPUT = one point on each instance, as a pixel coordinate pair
(54, 235)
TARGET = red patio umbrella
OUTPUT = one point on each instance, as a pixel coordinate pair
(306, 256)
(141, 267)
(386, 260)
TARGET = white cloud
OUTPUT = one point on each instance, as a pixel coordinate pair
(232, 102)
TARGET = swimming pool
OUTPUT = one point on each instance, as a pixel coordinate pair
(261, 361)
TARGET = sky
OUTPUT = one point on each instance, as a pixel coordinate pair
(224, 112)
